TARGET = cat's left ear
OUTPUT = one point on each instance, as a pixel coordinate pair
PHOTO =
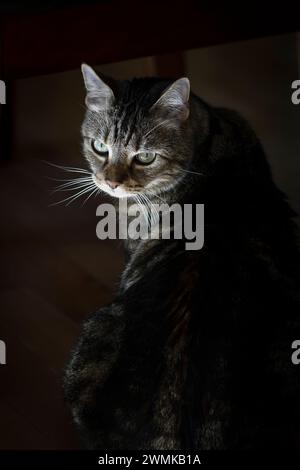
(174, 102)
(99, 95)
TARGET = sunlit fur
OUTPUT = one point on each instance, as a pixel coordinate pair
(129, 127)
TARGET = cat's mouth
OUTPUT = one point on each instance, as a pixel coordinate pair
(118, 192)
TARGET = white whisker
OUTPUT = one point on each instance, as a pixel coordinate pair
(145, 207)
(73, 188)
(93, 192)
(158, 197)
(71, 169)
(158, 125)
(71, 185)
(75, 196)
(151, 208)
(98, 192)
(141, 205)
(67, 179)
(192, 172)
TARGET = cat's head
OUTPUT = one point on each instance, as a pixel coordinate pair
(136, 136)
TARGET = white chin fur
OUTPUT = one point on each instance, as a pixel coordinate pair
(118, 192)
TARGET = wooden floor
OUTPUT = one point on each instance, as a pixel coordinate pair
(54, 271)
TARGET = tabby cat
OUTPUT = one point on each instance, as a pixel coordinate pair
(195, 351)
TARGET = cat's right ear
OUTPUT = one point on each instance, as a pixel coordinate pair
(99, 96)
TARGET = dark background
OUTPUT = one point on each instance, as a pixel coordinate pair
(54, 271)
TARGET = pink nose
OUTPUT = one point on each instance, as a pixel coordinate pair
(112, 184)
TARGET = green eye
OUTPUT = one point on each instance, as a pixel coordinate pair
(100, 148)
(145, 158)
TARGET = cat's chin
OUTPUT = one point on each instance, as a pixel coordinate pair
(117, 193)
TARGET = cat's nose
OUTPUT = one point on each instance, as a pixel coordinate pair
(112, 184)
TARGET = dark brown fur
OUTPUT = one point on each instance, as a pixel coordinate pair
(195, 351)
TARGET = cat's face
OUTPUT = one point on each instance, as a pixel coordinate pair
(135, 140)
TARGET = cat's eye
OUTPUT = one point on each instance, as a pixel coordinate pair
(145, 158)
(100, 147)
